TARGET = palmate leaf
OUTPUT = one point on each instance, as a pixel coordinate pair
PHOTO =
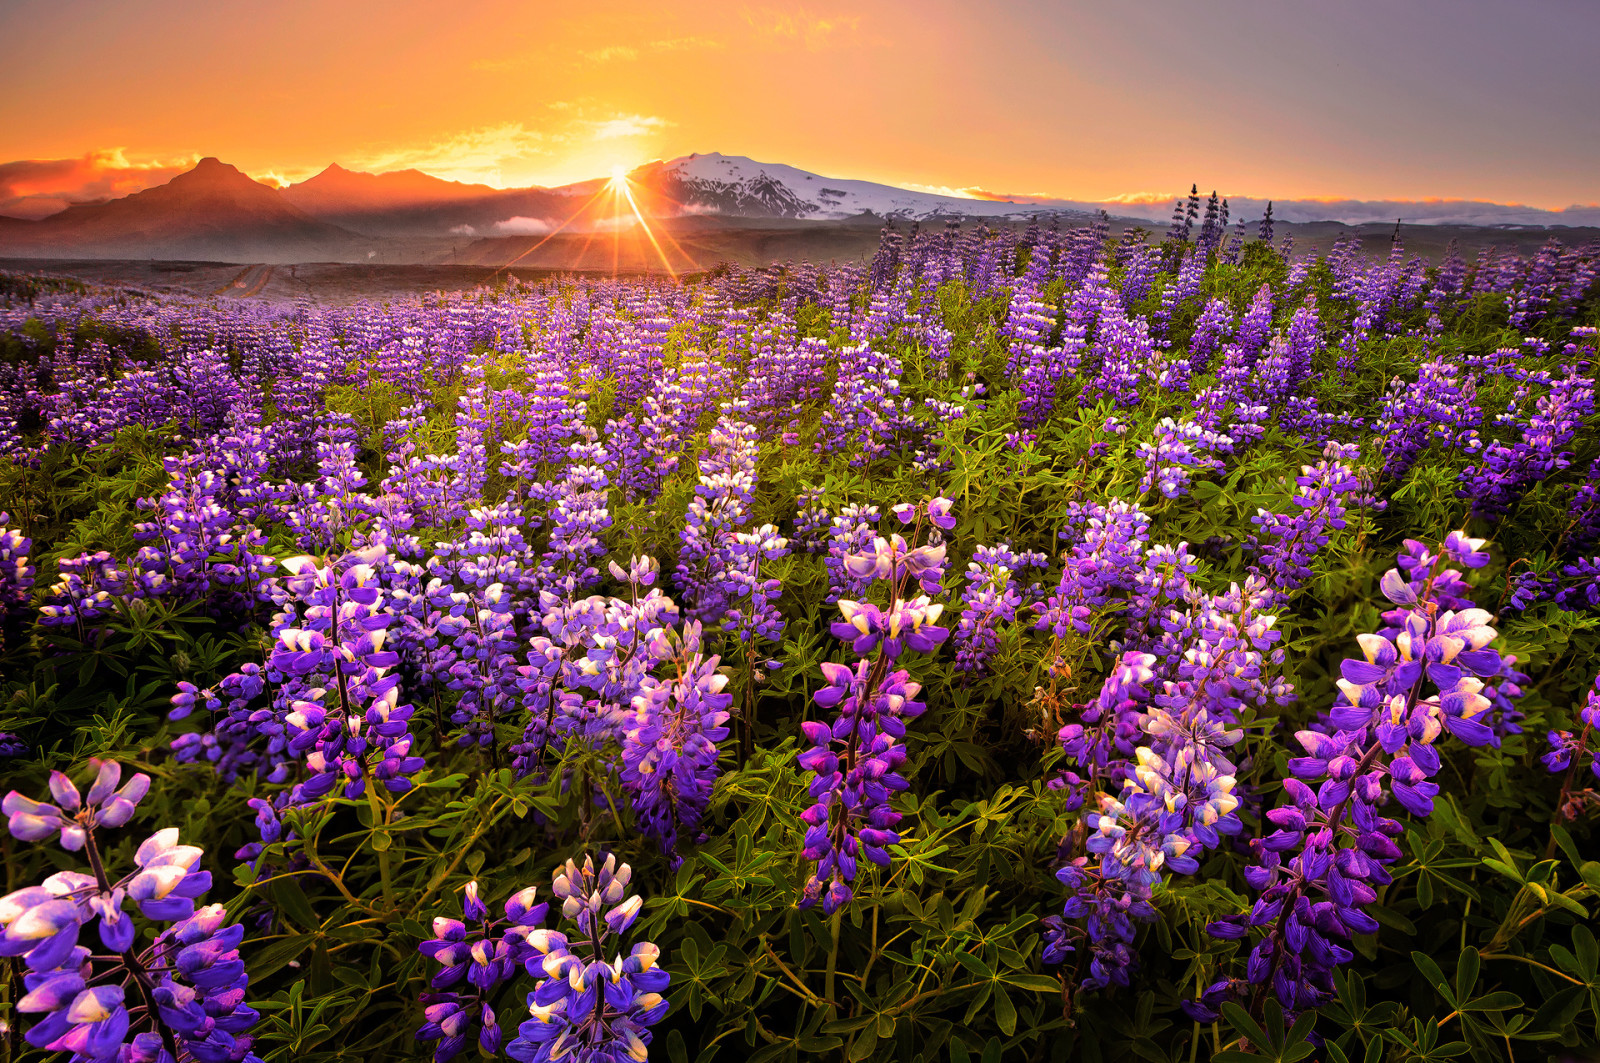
(1272, 1041)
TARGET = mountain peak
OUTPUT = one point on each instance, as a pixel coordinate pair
(213, 171)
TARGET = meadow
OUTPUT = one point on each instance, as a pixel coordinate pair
(1029, 644)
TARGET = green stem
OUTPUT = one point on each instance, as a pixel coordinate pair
(833, 958)
(380, 818)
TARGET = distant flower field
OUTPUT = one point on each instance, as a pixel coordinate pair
(1030, 644)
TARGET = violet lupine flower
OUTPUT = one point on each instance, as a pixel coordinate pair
(719, 510)
(581, 678)
(16, 574)
(483, 628)
(751, 601)
(345, 717)
(1164, 790)
(1180, 450)
(182, 997)
(991, 598)
(1568, 752)
(1332, 844)
(1107, 552)
(850, 532)
(586, 1007)
(1508, 470)
(669, 746)
(854, 761)
(1286, 544)
(484, 954)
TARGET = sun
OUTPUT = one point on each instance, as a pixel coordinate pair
(619, 175)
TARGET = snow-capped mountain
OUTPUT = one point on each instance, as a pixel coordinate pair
(741, 187)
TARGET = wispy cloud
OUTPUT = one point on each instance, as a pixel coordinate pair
(36, 188)
(609, 52)
(803, 26)
(520, 226)
(628, 125)
(480, 154)
(511, 152)
(684, 44)
(604, 53)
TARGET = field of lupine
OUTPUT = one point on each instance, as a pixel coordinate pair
(1030, 645)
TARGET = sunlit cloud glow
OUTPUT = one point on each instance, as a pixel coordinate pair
(36, 188)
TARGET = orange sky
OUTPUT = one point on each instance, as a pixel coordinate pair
(1452, 98)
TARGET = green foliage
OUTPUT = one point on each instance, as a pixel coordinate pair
(1486, 950)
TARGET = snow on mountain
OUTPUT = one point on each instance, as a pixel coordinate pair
(734, 185)
(740, 187)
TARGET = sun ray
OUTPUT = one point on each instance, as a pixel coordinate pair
(627, 191)
(552, 234)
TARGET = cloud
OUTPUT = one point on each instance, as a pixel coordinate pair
(803, 26)
(37, 188)
(610, 51)
(627, 125)
(684, 44)
(476, 155)
(463, 230)
(603, 54)
(1138, 199)
(520, 226)
(511, 153)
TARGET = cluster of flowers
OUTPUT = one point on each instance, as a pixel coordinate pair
(853, 760)
(583, 1006)
(177, 995)
(1422, 677)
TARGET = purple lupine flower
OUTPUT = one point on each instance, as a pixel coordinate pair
(1570, 752)
(586, 1006)
(182, 995)
(1327, 857)
(669, 746)
(991, 598)
(853, 761)
(475, 960)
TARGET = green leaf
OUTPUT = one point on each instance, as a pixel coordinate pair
(1564, 839)
(269, 959)
(973, 964)
(1431, 972)
(1392, 919)
(292, 900)
(1243, 1024)
(1038, 983)
(818, 1043)
(1558, 1011)
(1500, 1000)
(1005, 1012)
(1466, 973)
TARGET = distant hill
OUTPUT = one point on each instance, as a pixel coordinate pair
(212, 211)
(400, 203)
(711, 205)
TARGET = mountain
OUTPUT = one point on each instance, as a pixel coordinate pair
(338, 190)
(211, 211)
(399, 203)
(1466, 212)
(741, 187)
(410, 203)
(706, 205)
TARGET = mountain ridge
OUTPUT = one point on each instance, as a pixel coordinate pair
(215, 211)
